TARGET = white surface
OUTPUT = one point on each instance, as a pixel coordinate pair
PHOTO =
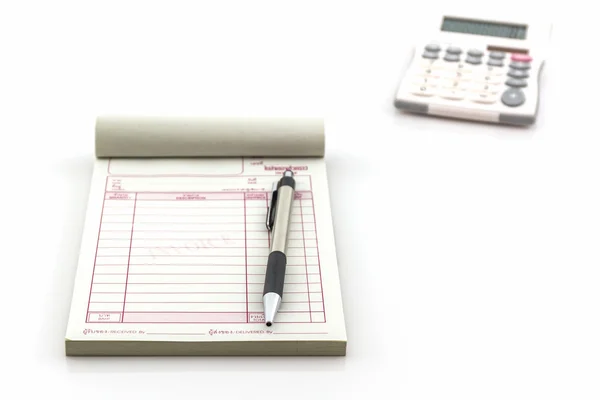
(480, 241)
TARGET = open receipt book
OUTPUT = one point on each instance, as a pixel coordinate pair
(175, 243)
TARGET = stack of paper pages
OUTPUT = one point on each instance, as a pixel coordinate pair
(175, 246)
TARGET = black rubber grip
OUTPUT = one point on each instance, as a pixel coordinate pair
(275, 276)
(287, 181)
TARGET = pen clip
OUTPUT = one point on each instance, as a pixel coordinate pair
(271, 209)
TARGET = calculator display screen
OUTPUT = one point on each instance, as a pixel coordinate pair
(484, 28)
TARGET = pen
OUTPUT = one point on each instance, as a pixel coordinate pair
(278, 223)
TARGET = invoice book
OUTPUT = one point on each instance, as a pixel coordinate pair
(175, 246)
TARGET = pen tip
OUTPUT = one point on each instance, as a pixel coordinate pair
(288, 172)
(269, 323)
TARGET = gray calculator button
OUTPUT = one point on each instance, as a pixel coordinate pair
(452, 57)
(497, 55)
(475, 53)
(453, 50)
(518, 73)
(433, 47)
(519, 65)
(513, 97)
(473, 60)
(430, 55)
(516, 83)
(495, 63)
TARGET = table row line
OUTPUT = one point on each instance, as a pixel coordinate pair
(238, 279)
(200, 317)
(216, 261)
(200, 196)
(205, 237)
(202, 307)
(230, 252)
(142, 209)
(199, 288)
(200, 226)
(200, 243)
(242, 297)
(222, 270)
(196, 219)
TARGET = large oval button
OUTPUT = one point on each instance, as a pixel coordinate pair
(513, 97)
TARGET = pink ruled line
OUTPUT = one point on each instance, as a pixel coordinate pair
(305, 262)
(246, 260)
(177, 333)
(199, 302)
(172, 223)
(260, 292)
(121, 192)
(211, 247)
(318, 256)
(129, 256)
(205, 322)
(198, 265)
(196, 273)
(186, 215)
(96, 255)
(190, 231)
(187, 255)
(194, 312)
(172, 283)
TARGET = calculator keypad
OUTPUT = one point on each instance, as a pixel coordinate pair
(472, 74)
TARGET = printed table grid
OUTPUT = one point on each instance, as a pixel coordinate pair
(199, 258)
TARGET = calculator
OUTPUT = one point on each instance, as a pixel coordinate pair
(476, 68)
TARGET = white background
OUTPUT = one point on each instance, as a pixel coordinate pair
(469, 253)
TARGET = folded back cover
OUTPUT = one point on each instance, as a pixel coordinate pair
(184, 136)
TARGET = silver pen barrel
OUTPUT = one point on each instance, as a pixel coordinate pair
(281, 226)
(277, 261)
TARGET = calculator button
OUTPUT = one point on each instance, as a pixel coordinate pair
(475, 53)
(519, 65)
(488, 79)
(494, 71)
(454, 74)
(422, 90)
(462, 67)
(495, 63)
(513, 97)
(425, 80)
(429, 71)
(453, 84)
(453, 50)
(486, 87)
(497, 55)
(432, 47)
(456, 68)
(521, 57)
(431, 55)
(484, 97)
(473, 60)
(518, 73)
(451, 57)
(516, 83)
(452, 94)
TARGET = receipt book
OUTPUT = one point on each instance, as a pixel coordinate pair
(175, 243)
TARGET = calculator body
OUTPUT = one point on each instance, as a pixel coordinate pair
(478, 68)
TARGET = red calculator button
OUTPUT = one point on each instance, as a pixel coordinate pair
(521, 58)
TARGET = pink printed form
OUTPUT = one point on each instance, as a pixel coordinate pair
(198, 257)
